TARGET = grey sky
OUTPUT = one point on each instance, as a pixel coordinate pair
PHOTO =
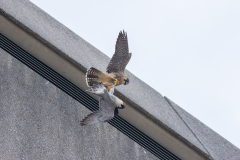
(187, 50)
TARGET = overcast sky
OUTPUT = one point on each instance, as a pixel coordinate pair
(187, 50)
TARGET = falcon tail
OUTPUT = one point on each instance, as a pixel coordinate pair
(92, 76)
(87, 120)
(97, 89)
(92, 118)
(97, 116)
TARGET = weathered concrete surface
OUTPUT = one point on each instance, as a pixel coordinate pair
(39, 121)
(217, 147)
(82, 55)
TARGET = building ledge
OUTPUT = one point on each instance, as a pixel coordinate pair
(70, 55)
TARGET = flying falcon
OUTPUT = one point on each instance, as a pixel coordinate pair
(108, 105)
(115, 70)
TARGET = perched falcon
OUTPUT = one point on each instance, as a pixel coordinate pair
(115, 70)
(108, 105)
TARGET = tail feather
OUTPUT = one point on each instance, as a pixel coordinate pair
(92, 76)
(97, 89)
(92, 118)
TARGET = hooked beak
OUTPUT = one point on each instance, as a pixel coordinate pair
(122, 106)
(126, 81)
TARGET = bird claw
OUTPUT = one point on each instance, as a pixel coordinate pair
(115, 82)
(109, 87)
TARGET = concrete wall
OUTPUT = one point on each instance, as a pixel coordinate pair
(39, 121)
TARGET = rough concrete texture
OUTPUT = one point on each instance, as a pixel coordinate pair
(83, 55)
(218, 147)
(74, 48)
(39, 121)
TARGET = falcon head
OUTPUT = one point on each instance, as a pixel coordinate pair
(126, 81)
(122, 106)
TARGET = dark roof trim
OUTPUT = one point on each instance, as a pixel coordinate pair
(142, 119)
(82, 97)
(70, 56)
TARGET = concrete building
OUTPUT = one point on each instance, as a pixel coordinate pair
(42, 99)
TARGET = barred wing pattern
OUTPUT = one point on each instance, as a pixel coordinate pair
(121, 56)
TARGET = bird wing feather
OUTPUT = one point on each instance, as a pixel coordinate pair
(92, 118)
(105, 113)
(121, 56)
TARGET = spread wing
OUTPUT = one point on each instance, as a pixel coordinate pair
(105, 113)
(92, 118)
(121, 56)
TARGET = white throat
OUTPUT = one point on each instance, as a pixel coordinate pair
(116, 100)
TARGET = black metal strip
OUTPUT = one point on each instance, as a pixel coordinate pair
(85, 99)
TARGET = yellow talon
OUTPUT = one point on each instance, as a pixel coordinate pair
(115, 82)
(109, 87)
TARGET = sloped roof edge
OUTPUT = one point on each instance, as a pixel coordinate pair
(72, 48)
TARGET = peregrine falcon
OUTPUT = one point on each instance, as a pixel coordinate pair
(108, 105)
(115, 70)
